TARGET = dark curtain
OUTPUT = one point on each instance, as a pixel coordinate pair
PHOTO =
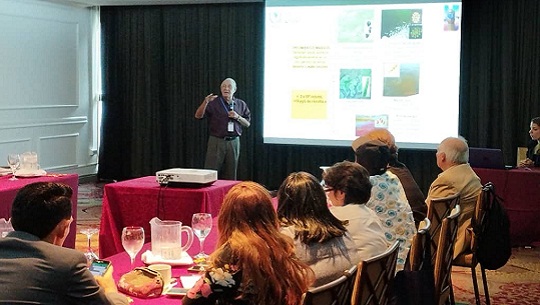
(160, 61)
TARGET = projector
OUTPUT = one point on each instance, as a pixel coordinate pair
(186, 177)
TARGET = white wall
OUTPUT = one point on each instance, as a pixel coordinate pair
(45, 79)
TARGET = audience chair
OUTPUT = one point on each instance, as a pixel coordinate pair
(469, 259)
(337, 292)
(439, 209)
(420, 241)
(373, 278)
(443, 259)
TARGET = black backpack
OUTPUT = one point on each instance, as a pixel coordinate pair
(494, 247)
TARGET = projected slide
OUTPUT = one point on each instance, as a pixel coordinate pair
(335, 71)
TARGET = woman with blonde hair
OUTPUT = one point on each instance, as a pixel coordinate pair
(253, 263)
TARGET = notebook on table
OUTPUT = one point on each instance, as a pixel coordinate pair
(486, 158)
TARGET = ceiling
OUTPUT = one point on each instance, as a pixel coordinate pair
(88, 3)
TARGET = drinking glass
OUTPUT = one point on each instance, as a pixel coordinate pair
(201, 223)
(13, 162)
(90, 254)
(132, 241)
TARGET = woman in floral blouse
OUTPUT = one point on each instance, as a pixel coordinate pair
(388, 198)
(253, 263)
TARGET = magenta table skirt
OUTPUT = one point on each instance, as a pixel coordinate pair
(135, 202)
(519, 189)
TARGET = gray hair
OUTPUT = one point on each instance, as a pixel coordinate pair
(456, 150)
(233, 82)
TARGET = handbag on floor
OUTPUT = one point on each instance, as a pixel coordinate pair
(415, 287)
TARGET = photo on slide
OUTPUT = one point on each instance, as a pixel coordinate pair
(365, 123)
(402, 23)
(355, 26)
(452, 17)
(355, 84)
(401, 79)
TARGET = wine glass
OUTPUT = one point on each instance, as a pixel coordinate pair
(13, 162)
(201, 223)
(90, 254)
(132, 241)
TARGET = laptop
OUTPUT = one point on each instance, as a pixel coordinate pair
(486, 158)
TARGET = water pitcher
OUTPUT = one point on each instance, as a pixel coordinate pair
(166, 236)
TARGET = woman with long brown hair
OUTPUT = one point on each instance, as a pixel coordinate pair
(321, 240)
(253, 263)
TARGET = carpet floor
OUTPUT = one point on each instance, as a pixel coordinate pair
(518, 282)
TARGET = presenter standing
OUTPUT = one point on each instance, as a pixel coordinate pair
(227, 115)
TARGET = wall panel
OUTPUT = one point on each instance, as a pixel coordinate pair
(45, 71)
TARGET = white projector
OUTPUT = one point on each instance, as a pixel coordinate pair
(186, 177)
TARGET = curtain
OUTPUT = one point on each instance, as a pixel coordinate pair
(159, 62)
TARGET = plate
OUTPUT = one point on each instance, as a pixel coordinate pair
(149, 258)
(37, 173)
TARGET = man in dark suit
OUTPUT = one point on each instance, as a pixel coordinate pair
(34, 267)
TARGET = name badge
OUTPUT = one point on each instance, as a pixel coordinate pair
(230, 126)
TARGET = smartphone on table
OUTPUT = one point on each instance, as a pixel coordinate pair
(99, 266)
(177, 292)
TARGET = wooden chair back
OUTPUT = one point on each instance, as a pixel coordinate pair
(337, 292)
(421, 240)
(443, 258)
(373, 278)
(469, 259)
(439, 209)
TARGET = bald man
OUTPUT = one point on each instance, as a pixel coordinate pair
(457, 176)
(227, 116)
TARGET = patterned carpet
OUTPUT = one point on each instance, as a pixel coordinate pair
(88, 214)
(518, 282)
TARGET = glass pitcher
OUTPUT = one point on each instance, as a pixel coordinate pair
(166, 238)
(29, 161)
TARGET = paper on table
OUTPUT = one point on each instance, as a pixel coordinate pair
(148, 258)
(189, 281)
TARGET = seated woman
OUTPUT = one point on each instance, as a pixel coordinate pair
(387, 197)
(348, 188)
(533, 148)
(321, 240)
(414, 195)
(253, 263)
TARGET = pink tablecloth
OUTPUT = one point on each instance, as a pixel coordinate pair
(519, 189)
(9, 189)
(135, 202)
(122, 264)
